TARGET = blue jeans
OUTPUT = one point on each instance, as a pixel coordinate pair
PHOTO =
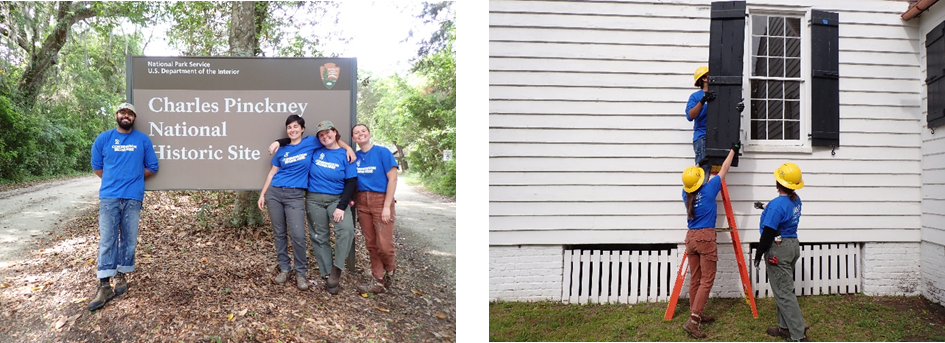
(118, 229)
(698, 146)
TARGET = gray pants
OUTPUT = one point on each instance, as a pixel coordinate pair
(320, 208)
(287, 214)
(781, 277)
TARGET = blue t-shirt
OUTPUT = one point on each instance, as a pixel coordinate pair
(704, 205)
(373, 166)
(293, 162)
(698, 125)
(328, 171)
(122, 158)
(783, 215)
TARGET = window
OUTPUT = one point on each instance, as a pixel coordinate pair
(776, 80)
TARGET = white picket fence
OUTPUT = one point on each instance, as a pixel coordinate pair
(637, 276)
(618, 276)
(821, 269)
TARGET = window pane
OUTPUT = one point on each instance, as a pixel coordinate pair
(758, 110)
(759, 66)
(759, 25)
(792, 47)
(761, 49)
(758, 128)
(758, 89)
(792, 130)
(776, 26)
(792, 27)
(792, 90)
(792, 67)
(775, 90)
(792, 110)
(775, 110)
(776, 46)
(775, 128)
(775, 67)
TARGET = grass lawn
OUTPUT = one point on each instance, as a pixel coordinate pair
(831, 318)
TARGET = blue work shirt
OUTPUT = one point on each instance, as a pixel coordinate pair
(122, 158)
(373, 166)
(705, 207)
(293, 161)
(328, 171)
(698, 124)
(783, 215)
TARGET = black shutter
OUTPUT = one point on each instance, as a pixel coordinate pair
(935, 69)
(726, 57)
(825, 79)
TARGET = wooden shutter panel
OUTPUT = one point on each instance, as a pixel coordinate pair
(825, 79)
(935, 69)
(726, 58)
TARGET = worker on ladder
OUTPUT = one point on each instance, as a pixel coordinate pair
(699, 196)
(696, 112)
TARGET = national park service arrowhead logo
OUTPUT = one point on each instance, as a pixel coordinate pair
(329, 72)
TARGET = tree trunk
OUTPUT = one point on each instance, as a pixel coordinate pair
(399, 155)
(243, 42)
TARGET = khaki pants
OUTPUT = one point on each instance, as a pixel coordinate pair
(378, 235)
(703, 255)
(781, 277)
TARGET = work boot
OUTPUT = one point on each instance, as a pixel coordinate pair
(281, 277)
(333, 280)
(389, 278)
(692, 327)
(375, 287)
(706, 319)
(301, 282)
(121, 285)
(778, 332)
(105, 293)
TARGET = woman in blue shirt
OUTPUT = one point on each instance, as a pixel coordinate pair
(699, 197)
(331, 184)
(779, 244)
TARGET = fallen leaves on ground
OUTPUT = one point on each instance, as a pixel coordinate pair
(196, 280)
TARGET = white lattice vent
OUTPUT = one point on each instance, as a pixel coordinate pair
(821, 269)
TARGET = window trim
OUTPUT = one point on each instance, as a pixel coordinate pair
(804, 144)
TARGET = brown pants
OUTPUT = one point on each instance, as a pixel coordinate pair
(703, 255)
(378, 235)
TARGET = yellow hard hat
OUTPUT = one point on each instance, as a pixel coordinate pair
(789, 175)
(698, 74)
(692, 179)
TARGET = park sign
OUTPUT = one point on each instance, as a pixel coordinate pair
(211, 119)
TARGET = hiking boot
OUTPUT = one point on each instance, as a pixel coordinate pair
(301, 282)
(692, 327)
(104, 294)
(333, 280)
(374, 287)
(121, 285)
(389, 278)
(706, 319)
(802, 340)
(778, 332)
(281, 277)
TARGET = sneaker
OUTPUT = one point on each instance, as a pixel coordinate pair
(334, 279)
(374, 287)
(281, 277)
(104, 294)
(301, 282)
(121, 285)
(692, 327)
(389, 278)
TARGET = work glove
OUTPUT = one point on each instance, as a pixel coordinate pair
(757, 264)
(709, 96)
(737, 146)
(740, 106)
(759, 205)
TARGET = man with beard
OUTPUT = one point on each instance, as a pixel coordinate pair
(122, 157)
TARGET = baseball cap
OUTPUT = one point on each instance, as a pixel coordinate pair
(126, 105)
(324, 125)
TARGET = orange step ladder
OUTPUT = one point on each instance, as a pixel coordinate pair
(739, 256)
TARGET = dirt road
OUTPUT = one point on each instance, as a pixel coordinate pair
(35, 211)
